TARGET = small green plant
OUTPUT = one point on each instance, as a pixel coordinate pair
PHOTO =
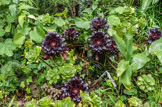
(134, 102)
(146, 82)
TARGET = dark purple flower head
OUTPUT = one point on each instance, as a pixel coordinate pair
(72, 89)
(98, 41)
(112, 47)
(98, 23)
(154, 34)
(71, 33)
(53, 44)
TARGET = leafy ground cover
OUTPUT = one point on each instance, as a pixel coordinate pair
(69, 53)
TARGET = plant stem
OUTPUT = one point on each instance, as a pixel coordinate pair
(46, 63)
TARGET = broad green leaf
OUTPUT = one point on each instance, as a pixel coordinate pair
(59, 22)
(7, 47)
(122, 66)
(156, 45)
(21, 20)
(113, 20)
(85, 24)
(12, 9)
(156, 48)
(159, 55)
(129, 45)
(25, 30)
(18, 39)
(5, 2)
(126, 78)
(138, 61)
(24, 6)
(2, 31)
(37, 35)
(120, 43)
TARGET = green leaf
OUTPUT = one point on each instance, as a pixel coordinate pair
(113, 20)
(7, 47)
(119, 103)
(159, 55)
(85, 24)
(28, 90)
(1, 95)
(21, 20)
(5, 2)
(8, 27)
(156, 45)
(130, 92)
(37, 35)
(139, 60)
(94, 6)
(18, 39)
(33, 54)
(12, 9)
(126, 78)
(120, 43)
(119, 10)
(156, 48)
(122, 66)
(25, 30)
(145, 5)
(59, 22)
(129, 45)
(24, 6)
(2, 31)
(66, 102)
(22, 84)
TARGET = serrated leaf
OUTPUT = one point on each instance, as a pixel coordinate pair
(25, 30)
(7, 47)
(113, 20)
(37, 35)
(84, 24)
(18, 39)
(59, 22)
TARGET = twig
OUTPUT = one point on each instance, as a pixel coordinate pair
(111, 64)
(46, 63)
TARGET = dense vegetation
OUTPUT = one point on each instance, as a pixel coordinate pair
(83, 53)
